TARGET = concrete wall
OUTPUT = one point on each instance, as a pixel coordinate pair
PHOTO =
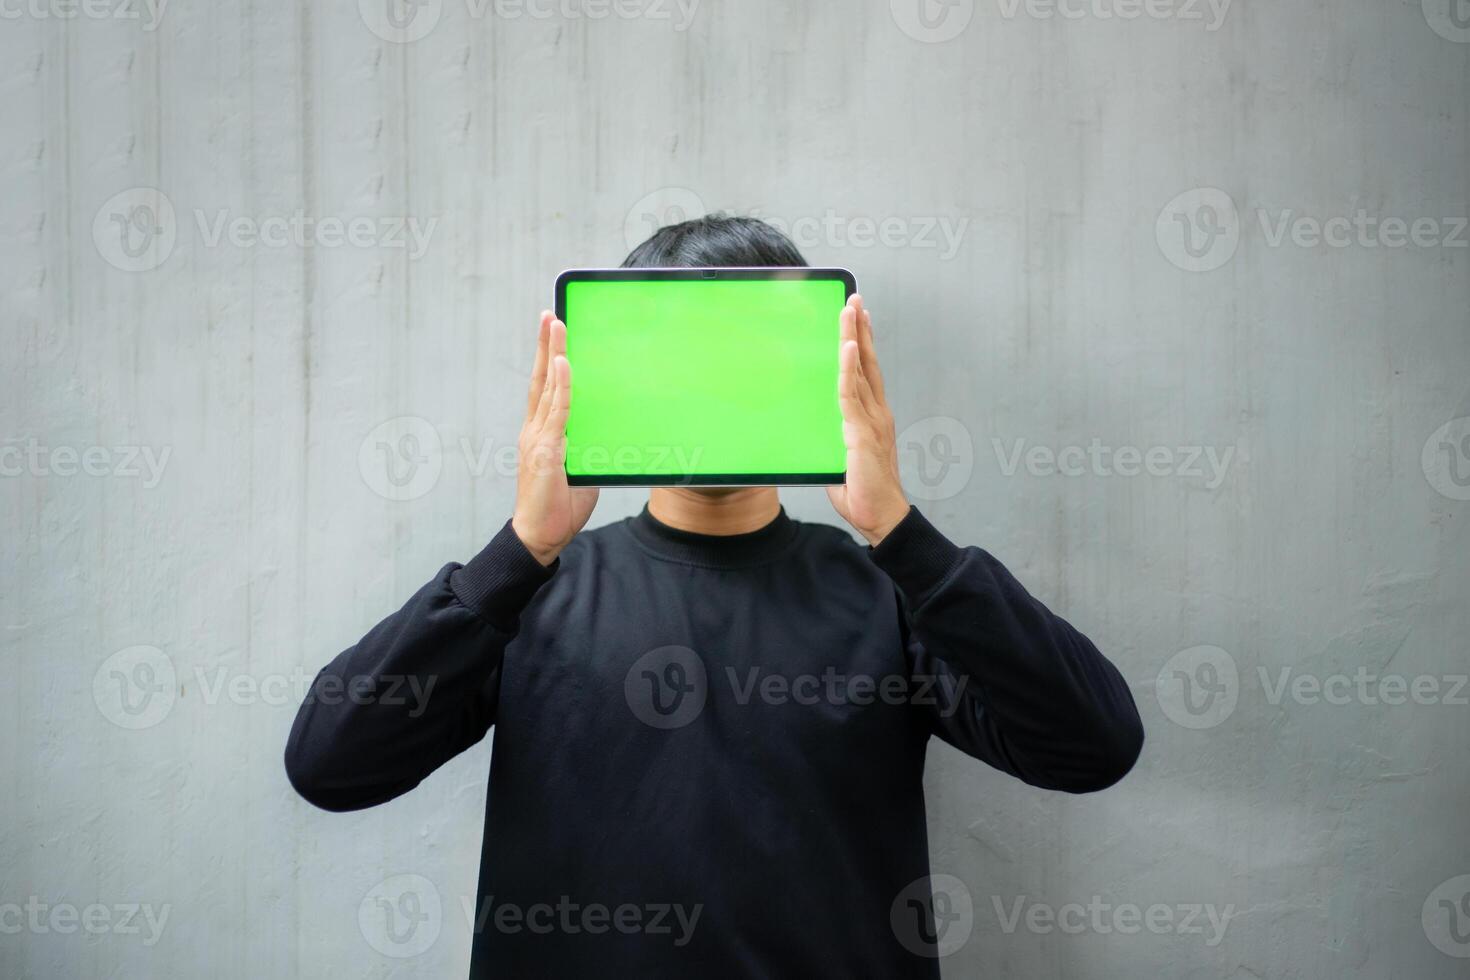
(1079, 233)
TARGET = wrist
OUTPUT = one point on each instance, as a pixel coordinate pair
(876, 533)
(543, 553)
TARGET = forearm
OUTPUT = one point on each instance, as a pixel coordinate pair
(1058, 709)
(418, 689)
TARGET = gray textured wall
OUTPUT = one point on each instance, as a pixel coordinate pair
(1236, 454)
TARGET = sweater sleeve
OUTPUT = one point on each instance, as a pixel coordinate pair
(419, 688)
(1011, 683)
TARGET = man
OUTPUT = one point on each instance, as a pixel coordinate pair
(711, 709)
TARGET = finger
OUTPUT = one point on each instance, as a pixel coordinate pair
(556, 346)
(543, 401)
(870, 353)
(538, 373)
(864, 336)
(556, 343)
(848, 395)
(548, 427)
(561, 397)
(865, 389)
(847, 324)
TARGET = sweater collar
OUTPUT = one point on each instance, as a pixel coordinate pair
(714, 550)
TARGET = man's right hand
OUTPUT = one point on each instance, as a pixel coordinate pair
(549, 513)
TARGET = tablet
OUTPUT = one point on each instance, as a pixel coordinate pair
(705, 376)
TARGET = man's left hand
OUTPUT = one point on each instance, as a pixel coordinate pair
(872, 500)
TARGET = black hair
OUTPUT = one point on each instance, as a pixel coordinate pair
(715, 240)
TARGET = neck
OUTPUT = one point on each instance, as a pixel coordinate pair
(722, 511)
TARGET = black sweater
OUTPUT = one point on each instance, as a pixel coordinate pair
(729, 729)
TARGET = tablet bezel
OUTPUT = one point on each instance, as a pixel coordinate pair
(707, 274)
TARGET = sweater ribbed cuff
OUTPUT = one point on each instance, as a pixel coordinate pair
(917, 556)
(499, 581)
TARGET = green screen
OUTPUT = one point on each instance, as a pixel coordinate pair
(704, 378)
